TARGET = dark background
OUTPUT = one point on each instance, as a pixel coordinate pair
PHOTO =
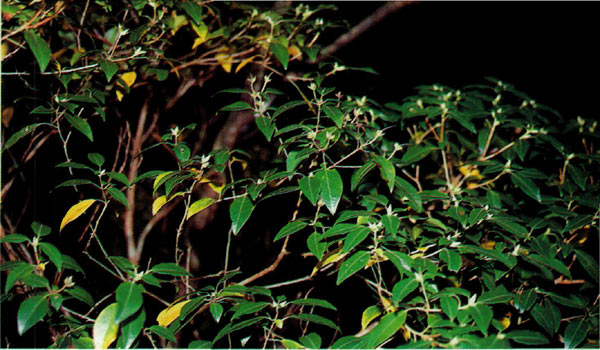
(547, 49)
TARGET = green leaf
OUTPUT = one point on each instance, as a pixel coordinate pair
(354, 238)
(171, 269)
(81, 295)
(118, 196)
(506, 259)
(291, 344)
(369, 315)
(246, 308)
(39, 47)
(193, 10)
(281, 53)
(402, 261)
(131, 328)
(387, 169)
(311, 187)
(53, 254)
(118, 177)
(198, 206)
(290, 228)
(81, 125)
(36, 281)
(349, 342)
(331, 188)
(525, 301)
(589, 264)
(451, 258)
(387, 328)
(527, 337)
(295, 157)
(105, 328)
(552, 263)
(360, 173)
(577, 222)
(498, 295)
(571, 301)
(311, 341)
(415, 153)
(391, 223)
(75, 182)
(527, 186)
(316, 247)
(239, 212)
(287, 106)
(408, 191)
(316, 319)
(334, 114)
(17, 273)
(108, 67)
(404, 288)
(232, 327)
(482, 315)
(19, 135)
(163, 332)
(129, 300)
(314, 302)
(200, 344)
(236, 106)
(476, 216)
(14, 238)
(511, 226)
(216, 310)
(352, 265)
(265, 126)
(547, 316)
(30, 312)
(575, 333)
(449, 305)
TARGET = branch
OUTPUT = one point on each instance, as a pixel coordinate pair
(362, 27)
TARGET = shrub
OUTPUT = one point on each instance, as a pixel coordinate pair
(451, 218)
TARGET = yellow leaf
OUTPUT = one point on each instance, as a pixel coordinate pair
(488, 245)
(119, 95)
(170, 314)
(105, 328)
(388, 306)
(378, 257)
(201, 30)
(370, 313)
(216, 188)
(202, 179)
(76, 211)
(198, 206)
(225, 60)
(158, 203)
(328, 258)
(294, 51)
(129, 78)
(4, 50)
(244, 62)
(242, 162)
(160, 177)
(472, 185)
(505, 321)
(405, 333)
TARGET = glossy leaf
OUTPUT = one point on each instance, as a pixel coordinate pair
(352, 265)
(575, 333)
(14, 238)
(131, 328)
(232, 327)
(389, 325)
(198, 206)
(387, 169)
(311, 341)
(281, 53)
(449, 305)
(316, 247)
(75, 211)
(527, 186)
(129, 300)
(19, 135)
(314, 302)
(289, 229)
(360, 174)
(30, 312)
(525, 300)
(52, 253)
(105, 328)
(370, 313)
(451, 258)
(482, 315)
(527, 337)
(81, 125)
(311, 187)
(334, 114)
(171, 313)
(17, 273)
(316, 319)
(118, 196)
(239, 212)
(331, 188)
(108, 67)
(170, 269)
(39, 47)
(403, 288)
(81, 294)
(163, 332)
(216, 310)
(246, 308)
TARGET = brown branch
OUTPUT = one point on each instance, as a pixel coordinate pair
(362, 27)
(270, 268)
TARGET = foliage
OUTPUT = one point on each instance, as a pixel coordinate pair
(464, 215)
